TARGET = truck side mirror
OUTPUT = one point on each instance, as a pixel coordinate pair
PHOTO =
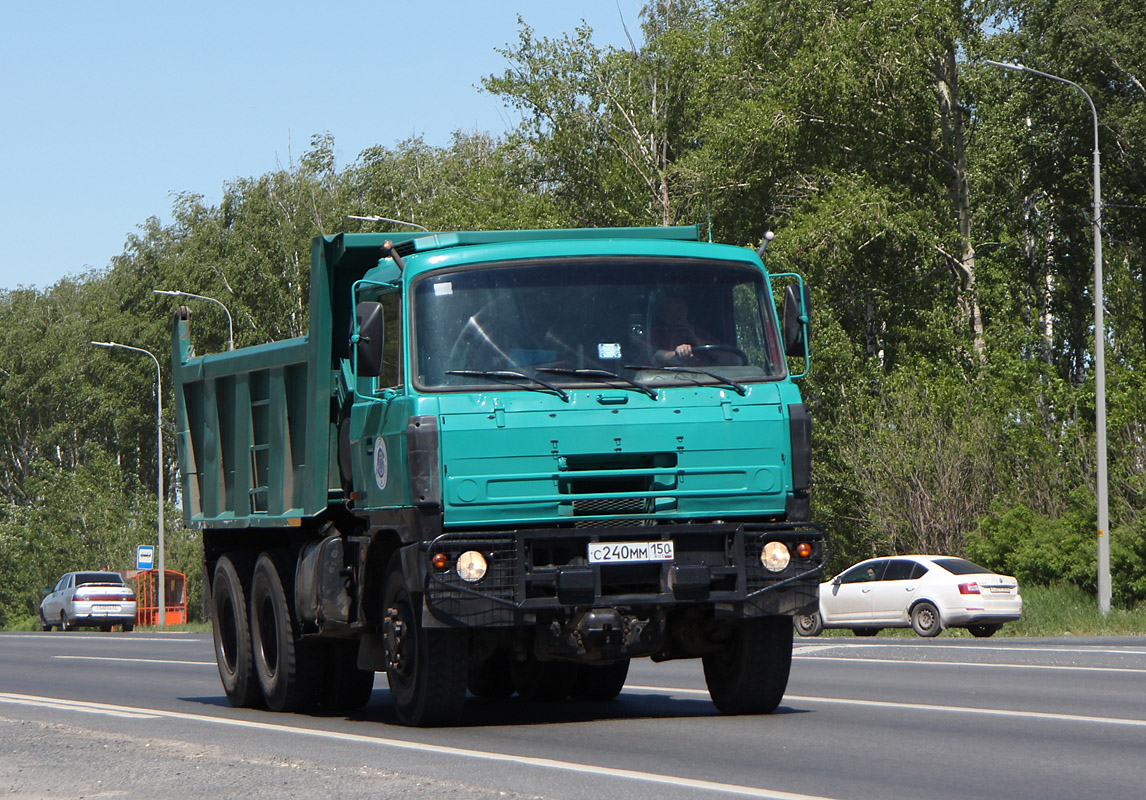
(370, 322)
(796, 313)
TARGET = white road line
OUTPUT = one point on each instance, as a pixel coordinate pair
(971, 648)
(914, 662)
(78, 636)
(400, 744)
(76, 705)
(135, 660)
(993, 712)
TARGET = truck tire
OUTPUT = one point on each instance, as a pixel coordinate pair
(543, 681)
(345, 687)
(751, 674)
(600, 682)
(426, 667)
(491, 678)
(232, 635)
(287, 669)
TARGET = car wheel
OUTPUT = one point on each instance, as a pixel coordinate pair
(866, 631)
(427, 667)
(65, 623)
(128, 627)
(751, 674)
(232, 632)
(983, 631)
(44, 624)
(288, 669)
(809, 624)
(925, 620)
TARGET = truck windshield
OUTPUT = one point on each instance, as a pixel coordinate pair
(652, 322)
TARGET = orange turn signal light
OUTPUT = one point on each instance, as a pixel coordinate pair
(804, 549)
(440, 560)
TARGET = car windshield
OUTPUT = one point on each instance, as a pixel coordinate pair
(961, 566)
(84, 578)
(625, 322)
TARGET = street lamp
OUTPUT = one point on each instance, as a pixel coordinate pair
(230, 324)
(159, 454)
(1099, 354)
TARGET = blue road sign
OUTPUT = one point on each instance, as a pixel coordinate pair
(145, 556)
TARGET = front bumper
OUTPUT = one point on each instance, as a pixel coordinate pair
(533, 572)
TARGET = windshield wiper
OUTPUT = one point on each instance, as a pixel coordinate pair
(510, 375)
(731, 384)
(602, 375)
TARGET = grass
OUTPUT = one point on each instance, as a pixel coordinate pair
(1065, 610)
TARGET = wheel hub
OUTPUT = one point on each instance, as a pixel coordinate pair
(396, 660)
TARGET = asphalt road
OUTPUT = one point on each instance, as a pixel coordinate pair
(105, 715)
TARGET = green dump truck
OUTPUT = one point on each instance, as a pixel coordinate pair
(506, 462)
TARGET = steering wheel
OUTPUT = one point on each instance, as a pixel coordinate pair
(701, 349)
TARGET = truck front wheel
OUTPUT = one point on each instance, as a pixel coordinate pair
(232, 635)
(287, 668)
(750, 675)
(426, 667)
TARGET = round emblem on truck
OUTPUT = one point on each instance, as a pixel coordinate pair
(381, 463)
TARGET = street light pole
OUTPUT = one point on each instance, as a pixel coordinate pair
(159, 454)
(1099, 353)
(230, 323)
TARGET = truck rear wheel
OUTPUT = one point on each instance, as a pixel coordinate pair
(344, 686)
(232, 635)
(543, 681)
(286, 668)
(600, 682)
(426, 667)
(751, 674)
(491, 678)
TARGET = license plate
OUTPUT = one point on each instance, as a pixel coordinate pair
(106, 609)
(629, 552)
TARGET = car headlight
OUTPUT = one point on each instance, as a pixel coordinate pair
(472, 566)
(775, 556)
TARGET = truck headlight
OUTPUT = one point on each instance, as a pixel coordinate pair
(472, 566)
(775, 556)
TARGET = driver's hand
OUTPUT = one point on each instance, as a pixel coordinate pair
(684, 351)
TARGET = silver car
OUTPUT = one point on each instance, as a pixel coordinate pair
(927, 593)
(89, 599)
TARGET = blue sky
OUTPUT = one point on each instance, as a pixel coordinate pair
(110, 108)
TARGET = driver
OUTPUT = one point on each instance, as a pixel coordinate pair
(673, 335)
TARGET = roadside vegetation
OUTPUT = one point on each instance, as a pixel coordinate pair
(939, 208)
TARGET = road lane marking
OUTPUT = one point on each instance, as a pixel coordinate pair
(75, 705)
(93, 636)
(436, 749)
(135, 660)
(970, 648)
(994, 712)
(913, 662)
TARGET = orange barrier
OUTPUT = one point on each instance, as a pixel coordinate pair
(147, 596)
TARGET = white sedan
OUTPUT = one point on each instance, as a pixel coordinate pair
(927, 593)
(93, 599)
